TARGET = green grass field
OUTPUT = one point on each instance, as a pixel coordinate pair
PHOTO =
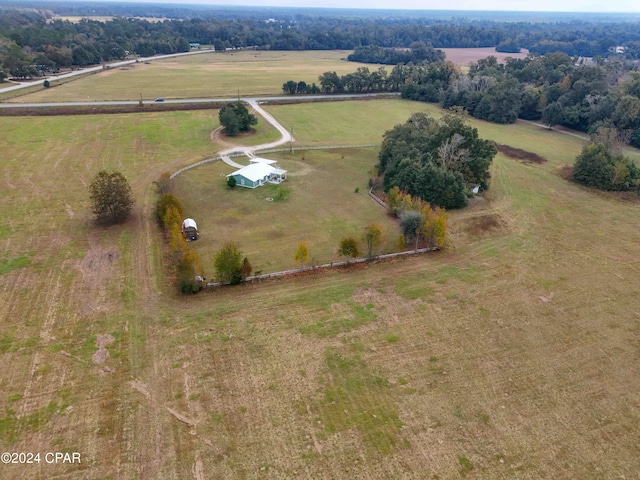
(510, 355)
(208, 75)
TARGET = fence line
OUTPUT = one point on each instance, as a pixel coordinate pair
(326, 266)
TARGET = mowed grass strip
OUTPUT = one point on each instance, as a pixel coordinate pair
(207, 75)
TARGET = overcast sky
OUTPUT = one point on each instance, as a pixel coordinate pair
(514, 5)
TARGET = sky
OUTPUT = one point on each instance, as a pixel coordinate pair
(632, 6)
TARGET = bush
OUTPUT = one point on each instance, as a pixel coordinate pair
(165, 202)
(163, 184)
(228, 264)
(348, 248)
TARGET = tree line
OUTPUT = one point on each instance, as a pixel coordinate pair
(552, 88)
(34, 43)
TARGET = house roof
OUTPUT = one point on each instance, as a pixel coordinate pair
(255, 171)
(262, 160)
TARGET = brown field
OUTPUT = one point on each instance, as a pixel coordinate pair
(464, 56)
(511, 355)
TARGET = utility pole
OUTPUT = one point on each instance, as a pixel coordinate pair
(291, 141)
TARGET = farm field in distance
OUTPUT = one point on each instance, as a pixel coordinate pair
(512, 354)
(218, 75)
(207, 75)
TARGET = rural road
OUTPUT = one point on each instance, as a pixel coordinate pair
(285, 137)
(301, 98)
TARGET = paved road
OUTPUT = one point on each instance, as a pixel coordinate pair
(252, 100)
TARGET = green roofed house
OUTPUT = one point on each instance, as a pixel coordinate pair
(259, 172)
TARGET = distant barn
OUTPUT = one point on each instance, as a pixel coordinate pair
(190, 229)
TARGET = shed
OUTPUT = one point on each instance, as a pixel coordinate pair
(189, 229)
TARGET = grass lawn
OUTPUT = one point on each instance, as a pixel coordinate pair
(208, 75)
(322, 208)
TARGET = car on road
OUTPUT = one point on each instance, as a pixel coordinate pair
(159, 99)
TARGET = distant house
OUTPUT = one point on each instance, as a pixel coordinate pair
(194, 46)
(259, 172)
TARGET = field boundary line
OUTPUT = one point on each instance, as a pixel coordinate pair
(326, 266)
(269, 150)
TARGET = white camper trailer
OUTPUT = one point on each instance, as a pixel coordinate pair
(190, 229)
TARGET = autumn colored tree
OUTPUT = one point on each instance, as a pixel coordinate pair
(245, 269)
(188, 268)
(434, 230)
(302, 253)
(372, 238)
(164, 203)
(163, 184)
(394, 199)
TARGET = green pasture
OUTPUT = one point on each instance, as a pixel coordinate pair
(344, 123)
(207, 75)
(512, 354)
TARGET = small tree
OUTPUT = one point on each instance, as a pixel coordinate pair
(111, 197)
(372, 237)
(165, 202)
(348, 248)
(163, 184)
(302, 253)
(46, 84)
(231, 182)
(188, 267)
(245, 269)
(228, 264)
(595, 167)
(411, 225)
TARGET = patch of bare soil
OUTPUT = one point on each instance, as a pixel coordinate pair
(484, 225)
(519, 154)
(101, 356)
(97, 267)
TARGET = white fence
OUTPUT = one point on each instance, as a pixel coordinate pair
(271, 150)
(325, 266)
